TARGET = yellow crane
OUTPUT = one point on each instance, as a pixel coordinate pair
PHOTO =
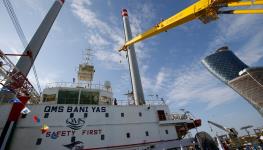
(205, 10)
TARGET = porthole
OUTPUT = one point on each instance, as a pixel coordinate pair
(166, 131)
(128, 135)
(106, 115)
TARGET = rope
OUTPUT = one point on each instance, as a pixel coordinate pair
(21, 34)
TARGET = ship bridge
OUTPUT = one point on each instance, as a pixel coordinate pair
(77, 93)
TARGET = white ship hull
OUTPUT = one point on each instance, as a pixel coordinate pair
(95, 127)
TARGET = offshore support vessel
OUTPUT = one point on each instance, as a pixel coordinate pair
(82, 115)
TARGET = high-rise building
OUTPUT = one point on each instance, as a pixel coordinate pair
(245, 80)
(224, 64)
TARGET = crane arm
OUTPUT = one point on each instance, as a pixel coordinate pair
(205, 10)
(219, 126)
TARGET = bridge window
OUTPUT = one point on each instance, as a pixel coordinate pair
(49, 97)
(68, 97)
(87, 97)
(122, 114)
(140, 114)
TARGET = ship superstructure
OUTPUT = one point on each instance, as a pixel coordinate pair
(80, 91)
(84, 115)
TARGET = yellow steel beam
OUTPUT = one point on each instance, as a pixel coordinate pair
(244, 3)
(205, 10)
(248, 11)
(182, 17)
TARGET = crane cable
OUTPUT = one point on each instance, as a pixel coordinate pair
(20, 33)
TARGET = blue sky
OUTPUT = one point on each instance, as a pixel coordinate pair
(169, 63)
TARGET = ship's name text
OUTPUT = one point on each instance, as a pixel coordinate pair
(74, 109)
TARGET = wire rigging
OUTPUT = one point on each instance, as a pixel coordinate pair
(20, 33)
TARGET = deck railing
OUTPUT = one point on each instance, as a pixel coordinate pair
(78, 85)
(174, 116)
(148, 102)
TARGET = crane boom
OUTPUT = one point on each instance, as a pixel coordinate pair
(205, 10)
(219, 126)
(24, 64)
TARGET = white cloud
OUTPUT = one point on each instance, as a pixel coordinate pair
(252, 51)
(36, 6)
(102, 36)
(157, 83)
(197, 84)
(105, 35)
(45, 79)
(112, 60)
(97, 40)
(82, 9)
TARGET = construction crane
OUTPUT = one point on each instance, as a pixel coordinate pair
(246, 129)
(20, 33)
(232, 133)
(14, 77)
(204, 10)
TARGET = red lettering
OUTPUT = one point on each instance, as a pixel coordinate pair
(73, 132)
(68, 132)
(58, 133)
(63, 133)
(83, 132)
(91, 132)
(95, 132)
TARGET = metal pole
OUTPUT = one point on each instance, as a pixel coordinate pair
(133, 65)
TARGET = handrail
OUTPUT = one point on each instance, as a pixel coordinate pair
(148, 102)
(79, 85)
(175, 116)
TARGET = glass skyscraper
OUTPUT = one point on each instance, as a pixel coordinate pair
(246, 81)
(224, 64)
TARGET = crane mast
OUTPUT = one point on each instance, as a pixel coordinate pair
(133, 64)
(204, 10)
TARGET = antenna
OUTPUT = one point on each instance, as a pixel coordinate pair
(88, 56)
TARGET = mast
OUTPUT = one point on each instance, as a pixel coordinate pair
(133, 65)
